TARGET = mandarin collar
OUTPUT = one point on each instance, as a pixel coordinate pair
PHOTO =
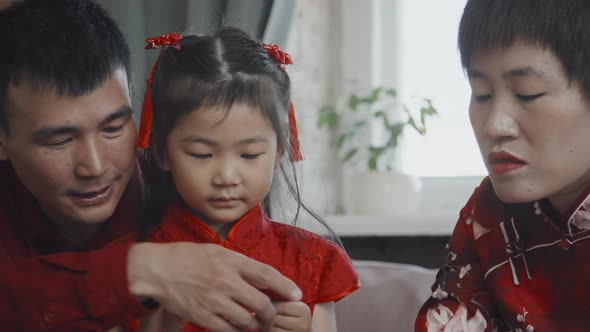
(245, 233)
(574, 220)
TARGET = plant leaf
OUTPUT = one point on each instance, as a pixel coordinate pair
(391, 92)
(395, 132)
(328, 117)
(359, 124)
(375, 94)
(351, 153)
(380, 114)
(372, 164)
(412, 123)
(377, 150)
(342, 139)
(353, 102)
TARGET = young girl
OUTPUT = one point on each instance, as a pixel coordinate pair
(223, 126)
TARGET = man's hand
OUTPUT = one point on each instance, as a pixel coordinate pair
(292, 317)
(207, 284)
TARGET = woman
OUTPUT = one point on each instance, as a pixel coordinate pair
(519, 256)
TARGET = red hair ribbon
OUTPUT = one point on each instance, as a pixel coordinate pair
(295, 153)
(283, 59)
(147, 112)
(169, 39)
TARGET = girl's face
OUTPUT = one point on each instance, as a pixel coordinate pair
(531, 123)
(222, 163)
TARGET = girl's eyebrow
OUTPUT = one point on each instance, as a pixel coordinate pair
(199, 139)
(206, 141)
(252, 140)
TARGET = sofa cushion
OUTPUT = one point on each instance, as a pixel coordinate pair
(389, 298)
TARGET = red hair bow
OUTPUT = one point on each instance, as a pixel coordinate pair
(169, 39)
(282, 57)
(147, 113)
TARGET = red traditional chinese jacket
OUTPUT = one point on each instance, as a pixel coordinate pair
(513, 267)
(320, 269)
(48, 284)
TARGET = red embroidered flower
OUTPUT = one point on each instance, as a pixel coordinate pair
(282, 57)
(169, 39)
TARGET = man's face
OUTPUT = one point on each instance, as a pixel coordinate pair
(74, 154)
(531, 123)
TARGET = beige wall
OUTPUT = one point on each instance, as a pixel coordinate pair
(315, 46)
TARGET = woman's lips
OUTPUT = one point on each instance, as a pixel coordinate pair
(503, 162)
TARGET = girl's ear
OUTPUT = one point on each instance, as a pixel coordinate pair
(162, 160)
(160, 154)
(279, 156)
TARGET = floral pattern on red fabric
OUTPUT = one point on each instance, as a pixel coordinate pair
(521, 267)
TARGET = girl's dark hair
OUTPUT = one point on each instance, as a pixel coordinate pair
(216, 71)
(557, 25)
(68, 46)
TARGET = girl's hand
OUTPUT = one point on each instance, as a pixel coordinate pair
(292, 317)
(202, 283)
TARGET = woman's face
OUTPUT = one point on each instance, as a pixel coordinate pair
(531, 123)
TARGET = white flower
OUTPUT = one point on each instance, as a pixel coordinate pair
(442, 319)
(464, 270)
(537, 208)
(582, 219)
(452, 256)
(440, 294)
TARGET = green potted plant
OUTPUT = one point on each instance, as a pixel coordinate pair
(379, 187)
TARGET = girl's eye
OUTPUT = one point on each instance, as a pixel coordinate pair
(527, 98)
(201, 155)
(250, 156)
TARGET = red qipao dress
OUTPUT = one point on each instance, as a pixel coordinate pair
(320, 269)
(513, 267)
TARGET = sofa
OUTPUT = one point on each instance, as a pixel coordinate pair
(389, 298)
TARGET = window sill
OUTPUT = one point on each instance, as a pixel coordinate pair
(441, 202)
(431, 223)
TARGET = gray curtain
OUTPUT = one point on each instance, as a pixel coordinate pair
(138, 19)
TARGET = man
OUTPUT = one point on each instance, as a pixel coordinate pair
(70, 186)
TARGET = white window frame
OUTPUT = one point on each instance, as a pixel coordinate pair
(370, 57)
